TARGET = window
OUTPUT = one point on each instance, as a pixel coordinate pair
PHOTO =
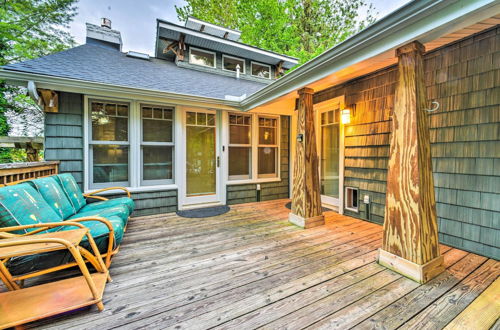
(109, 143)
(157, 145)
(351, 199)
(261, 70)
(267, 147)
(240, 146)
(201, 57)
(230, 63)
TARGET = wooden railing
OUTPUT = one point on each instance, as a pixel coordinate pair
(14, 172)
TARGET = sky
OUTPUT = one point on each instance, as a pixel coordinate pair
(136, 20)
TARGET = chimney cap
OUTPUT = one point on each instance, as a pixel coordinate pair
(106, 22)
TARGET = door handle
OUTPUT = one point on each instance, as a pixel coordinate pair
(218, 161)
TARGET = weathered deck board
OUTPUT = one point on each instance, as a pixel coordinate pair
(249, 268)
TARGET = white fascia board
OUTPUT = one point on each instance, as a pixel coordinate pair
(228, 42)
(423, 20)
(87, 87)
(217, 27)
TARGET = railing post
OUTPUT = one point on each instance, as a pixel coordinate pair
(410, 243)
(306, 198)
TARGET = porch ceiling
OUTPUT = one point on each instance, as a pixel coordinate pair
(251, 268)
(352, 68)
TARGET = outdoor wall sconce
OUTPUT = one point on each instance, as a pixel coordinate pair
(346, 116)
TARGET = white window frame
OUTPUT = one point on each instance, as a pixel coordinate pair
(205, 51)
(156, 144)
(254, 178)
(242, 71)
(262, 64)
(276, 146)
(134, 140)
(91, 143)
(249, 145)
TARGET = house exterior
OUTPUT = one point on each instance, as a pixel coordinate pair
(206, 122)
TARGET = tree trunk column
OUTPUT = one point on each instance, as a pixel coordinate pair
(306, 199)
(410, 243)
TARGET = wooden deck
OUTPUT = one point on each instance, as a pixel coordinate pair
(249, 268)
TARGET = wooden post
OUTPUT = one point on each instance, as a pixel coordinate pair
(410, 243)
(306, 199)
(31, 153)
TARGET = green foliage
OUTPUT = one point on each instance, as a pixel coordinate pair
(300, 28)
(29, 29)
(34, 28)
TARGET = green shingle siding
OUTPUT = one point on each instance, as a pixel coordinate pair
(64, 135)
(154, 202)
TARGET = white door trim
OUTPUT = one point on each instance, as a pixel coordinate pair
(319, 108)
(185, 202)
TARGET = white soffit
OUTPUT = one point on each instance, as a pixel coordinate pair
(212, 29)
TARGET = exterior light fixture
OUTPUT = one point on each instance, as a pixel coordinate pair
(346, 116)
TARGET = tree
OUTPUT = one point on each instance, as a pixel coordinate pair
(29, 29)
(300, 28)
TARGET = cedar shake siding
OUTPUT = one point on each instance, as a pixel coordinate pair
(464, 78)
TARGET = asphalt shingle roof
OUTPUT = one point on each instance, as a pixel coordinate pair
(99, 64)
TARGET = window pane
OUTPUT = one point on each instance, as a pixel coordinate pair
(157, 113)
(240, 161)
(210, 119)
(156, 130)
(157, 163)
(201, 165)
(262, 71)
(231, 63)
(200, 57)
(191, 118)
(267, 160)
(106, 125)
(330, 160)
(267, 135)
(201, 118)
(239, 134)
(110, 163)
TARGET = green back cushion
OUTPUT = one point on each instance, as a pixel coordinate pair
(72, 190)
(54, 195)
(21, 204)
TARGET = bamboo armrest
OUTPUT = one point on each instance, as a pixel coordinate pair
(91, 194)
(26, 245)
(111, 240)
(4, 231)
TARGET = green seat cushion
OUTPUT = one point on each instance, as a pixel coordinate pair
(21, 204)
(120, 211)
(98, 230)
(110, 203)
(54, 195)
(72, 190)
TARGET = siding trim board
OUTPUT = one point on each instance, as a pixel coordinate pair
(465, 140)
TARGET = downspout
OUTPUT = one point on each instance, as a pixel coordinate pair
(32, 92)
